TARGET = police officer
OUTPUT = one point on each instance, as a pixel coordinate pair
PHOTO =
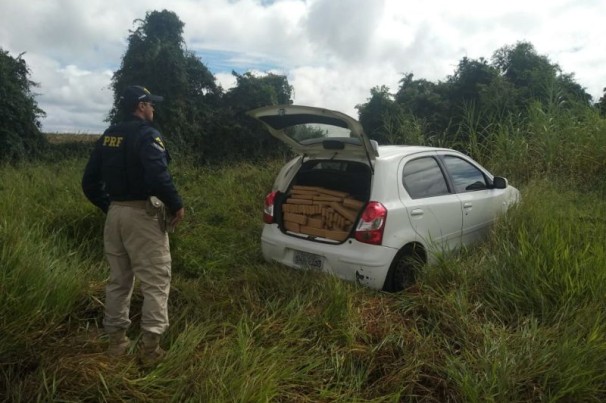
(128, 165)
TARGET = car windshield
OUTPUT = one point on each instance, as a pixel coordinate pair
(313, 133)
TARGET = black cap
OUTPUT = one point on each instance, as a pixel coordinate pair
(135, 94)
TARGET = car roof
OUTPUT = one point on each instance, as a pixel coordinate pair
(391, 151)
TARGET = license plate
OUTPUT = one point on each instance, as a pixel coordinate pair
(308, 260)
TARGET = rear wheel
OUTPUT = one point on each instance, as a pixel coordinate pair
(402, 273)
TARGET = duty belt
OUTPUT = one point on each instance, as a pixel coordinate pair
(142, 204)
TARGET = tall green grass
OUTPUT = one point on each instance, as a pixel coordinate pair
(551, 142)
(524, 313)
(519, 318)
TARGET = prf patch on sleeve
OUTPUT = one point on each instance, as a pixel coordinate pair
(159, 144)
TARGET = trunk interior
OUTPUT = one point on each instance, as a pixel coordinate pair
(324, 199)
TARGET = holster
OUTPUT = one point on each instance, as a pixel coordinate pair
(156, 208)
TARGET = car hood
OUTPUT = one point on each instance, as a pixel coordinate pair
(316, 132)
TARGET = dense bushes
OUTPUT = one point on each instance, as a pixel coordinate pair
(19, 127)
(475, 97)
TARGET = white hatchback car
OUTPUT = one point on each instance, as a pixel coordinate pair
(370, 213)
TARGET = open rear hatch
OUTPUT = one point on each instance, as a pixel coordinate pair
(316, 132)
(326, 195)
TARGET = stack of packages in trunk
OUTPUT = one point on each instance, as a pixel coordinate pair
(320, 212)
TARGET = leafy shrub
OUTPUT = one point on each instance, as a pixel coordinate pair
(20, 134)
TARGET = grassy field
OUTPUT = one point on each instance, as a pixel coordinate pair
(521, 317)
(62, 138)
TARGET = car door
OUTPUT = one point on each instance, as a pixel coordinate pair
(480, 202)
(435, 213)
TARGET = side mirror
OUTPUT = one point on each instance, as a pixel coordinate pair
(498, 182)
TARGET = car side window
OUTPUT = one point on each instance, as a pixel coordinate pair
(422, 177)
(465, 176)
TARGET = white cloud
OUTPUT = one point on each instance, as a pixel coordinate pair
(333, 52)
(75, 100)
(226, 80)
(344, 29)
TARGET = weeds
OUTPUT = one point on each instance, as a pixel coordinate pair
(519, 318)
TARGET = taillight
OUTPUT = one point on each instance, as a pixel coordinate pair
(372, 224)
(268, 208)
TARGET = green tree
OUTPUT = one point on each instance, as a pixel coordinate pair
(571, 92)
(535, 78)
(156, 57)
(465, 93)
(253, 91)
(479, 95)
(20, 134)
(427, 102)
(375, 112)
(234, 134)
(470, 79)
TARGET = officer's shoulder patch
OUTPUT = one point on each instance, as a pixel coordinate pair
(158, 141)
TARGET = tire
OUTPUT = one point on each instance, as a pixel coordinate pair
(402, 272)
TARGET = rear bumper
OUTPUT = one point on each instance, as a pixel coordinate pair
(352, 260)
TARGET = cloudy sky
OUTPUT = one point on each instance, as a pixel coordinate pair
(332, 51)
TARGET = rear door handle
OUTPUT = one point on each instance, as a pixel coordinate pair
(416, 212)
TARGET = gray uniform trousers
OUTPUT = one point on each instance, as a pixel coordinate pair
(135, 246)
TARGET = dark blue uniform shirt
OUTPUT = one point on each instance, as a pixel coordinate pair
(130, 162)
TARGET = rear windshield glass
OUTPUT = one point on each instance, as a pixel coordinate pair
(315, 133)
